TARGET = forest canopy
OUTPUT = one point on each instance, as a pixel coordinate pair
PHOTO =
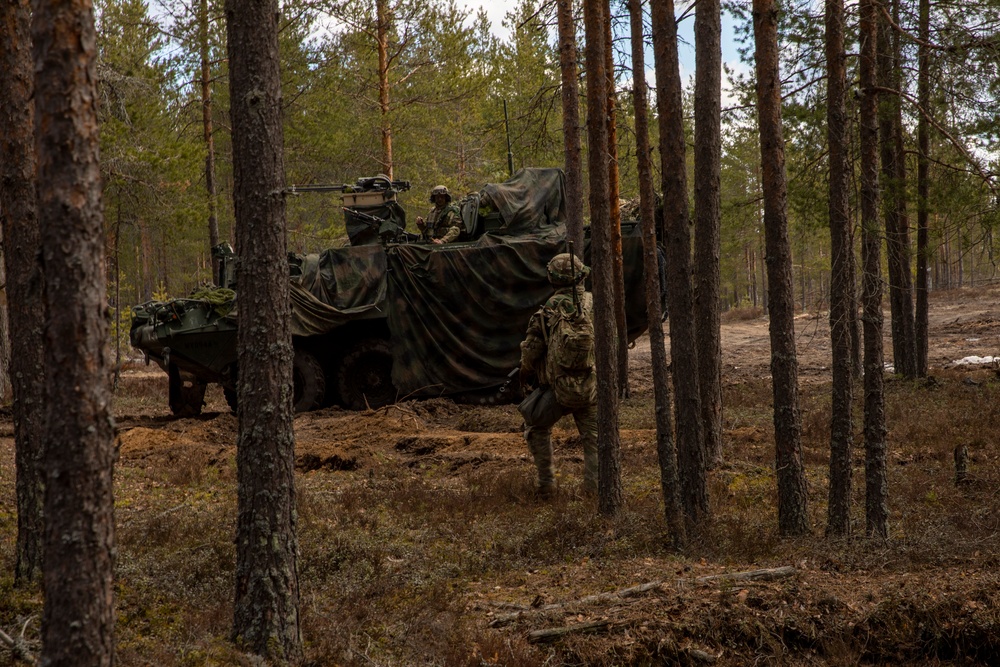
(419, 89)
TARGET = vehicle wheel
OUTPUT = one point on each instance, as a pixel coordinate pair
(186, 393)
(364, 378)
(309, 382)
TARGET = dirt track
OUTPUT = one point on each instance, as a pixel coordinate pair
(963, 324)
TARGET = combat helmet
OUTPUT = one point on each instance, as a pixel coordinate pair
(564, 267)
(440, 190)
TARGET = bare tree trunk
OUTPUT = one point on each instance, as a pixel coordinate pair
(793, 518)
(615, 228)
(571, 122)
(707, 167)
(923, 186)
(595, 12)
(21, 245)
(665, 451)
(266, 608)
(5, 385)
(876, 486)
(841, 292)
(209, 135)
(683, 348)
(78, 620)
(894, 204)
(857, 367)
(384, 20)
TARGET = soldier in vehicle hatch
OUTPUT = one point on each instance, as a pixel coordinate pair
(444, 221)
(557, 357)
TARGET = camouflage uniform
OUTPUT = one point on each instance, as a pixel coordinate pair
(444, 221)
(533, 365)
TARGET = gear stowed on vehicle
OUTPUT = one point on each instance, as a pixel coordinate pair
(390, 317)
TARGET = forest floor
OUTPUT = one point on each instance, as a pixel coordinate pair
(422, 541)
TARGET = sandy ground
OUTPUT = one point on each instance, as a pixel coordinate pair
(963, 324)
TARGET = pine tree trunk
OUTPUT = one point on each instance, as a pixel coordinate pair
(383, 21)
(5, 386)
(609, 501)
(266, 616)
(923, 186)
(571, 122)
(857, 365)
(707, 166)
(841, 292)
(209, 136)
(876, 486)
(894, 205)
(21, 246)
(665, 450)
(793, 518)
(615, 228)
(683, 348)
(78, 619)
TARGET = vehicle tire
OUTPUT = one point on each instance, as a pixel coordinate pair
(308, 381)
(364, 379)
(186, 394)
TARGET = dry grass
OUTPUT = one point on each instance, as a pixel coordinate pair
(742, 314)
(405, 562)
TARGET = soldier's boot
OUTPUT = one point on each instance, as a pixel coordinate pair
(586, 424)
(540, 445)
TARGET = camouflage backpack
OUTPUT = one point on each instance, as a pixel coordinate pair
(569, 359)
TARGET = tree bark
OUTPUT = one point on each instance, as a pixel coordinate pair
(383, 20)
(78, 434)
(615, 228)
(683, 348)
(609, 502)
(209, 136)
(841, 281)
(876, 485)
(665, 451)
(793, 518)
(571, 122)
(923, 186)
(266, 616)
(894, 203)
(6, 390)
(857, 342)
(21, 246)
(707, 167)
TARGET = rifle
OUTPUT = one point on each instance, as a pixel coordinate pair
(366, 184)
(387, 231)
(510, 378)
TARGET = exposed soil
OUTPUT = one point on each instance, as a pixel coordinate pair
(839, 607)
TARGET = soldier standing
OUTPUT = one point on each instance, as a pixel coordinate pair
(444, 221)
(557, 356)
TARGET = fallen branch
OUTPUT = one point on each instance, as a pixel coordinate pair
(552, 634)
(18, 647)
(769, 574)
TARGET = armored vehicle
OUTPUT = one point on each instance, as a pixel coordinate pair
(391, 317)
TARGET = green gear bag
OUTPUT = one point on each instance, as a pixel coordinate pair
(540, 408)
(570, 357)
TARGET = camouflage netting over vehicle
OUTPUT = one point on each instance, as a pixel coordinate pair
(373, 323)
